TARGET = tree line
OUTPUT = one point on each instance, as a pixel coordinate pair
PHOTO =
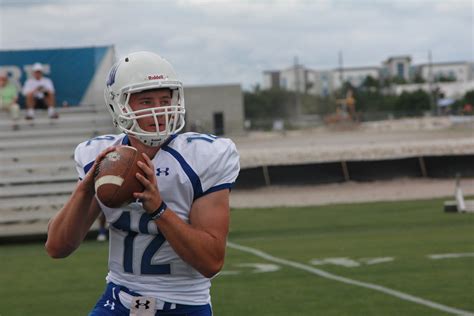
(372, 98)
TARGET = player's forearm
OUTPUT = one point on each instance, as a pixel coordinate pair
(69, 227)
(198, 248)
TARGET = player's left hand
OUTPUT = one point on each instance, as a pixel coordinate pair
(150, 197)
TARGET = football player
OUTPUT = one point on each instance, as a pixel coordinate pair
(166, 246)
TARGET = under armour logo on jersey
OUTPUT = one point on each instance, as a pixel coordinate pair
(110, 304)
(146, 304)
(165, 171)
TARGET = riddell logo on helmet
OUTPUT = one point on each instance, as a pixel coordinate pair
(156, 77)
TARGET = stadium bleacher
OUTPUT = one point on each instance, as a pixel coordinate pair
(36, 167)
(37, 171)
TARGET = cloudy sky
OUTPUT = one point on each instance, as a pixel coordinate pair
(233, 41)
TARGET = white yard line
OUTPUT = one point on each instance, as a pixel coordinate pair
(451, 255)
(327, 275)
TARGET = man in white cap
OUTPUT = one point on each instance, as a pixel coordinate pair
(9, 98)
(39, 92)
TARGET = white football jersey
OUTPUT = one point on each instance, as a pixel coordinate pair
(187, 167)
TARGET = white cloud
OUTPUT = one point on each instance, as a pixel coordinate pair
(215, 41)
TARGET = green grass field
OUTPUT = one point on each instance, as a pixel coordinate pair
(401, 235)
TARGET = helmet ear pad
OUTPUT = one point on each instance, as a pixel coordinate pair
(117, 120)
(114, 116)
(125, 123)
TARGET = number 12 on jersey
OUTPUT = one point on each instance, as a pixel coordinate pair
(146, 267)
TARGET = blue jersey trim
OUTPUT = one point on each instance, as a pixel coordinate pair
(219, 187)
(193, 177)
(125, 140)
(88, 166)
(173, 136)
(143, 223)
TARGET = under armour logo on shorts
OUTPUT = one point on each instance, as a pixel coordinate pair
(110, 304)
(138, 304)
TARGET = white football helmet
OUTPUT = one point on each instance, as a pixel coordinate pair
(137, 72)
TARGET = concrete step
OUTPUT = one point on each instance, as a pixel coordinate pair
(37, 190)
(64, 110)
(82, 109)
(38, 203)
(43, 123)
(8, 218)
(37, 179)
(56, 142)
(37, 155)
(85, 131)
(35, 168)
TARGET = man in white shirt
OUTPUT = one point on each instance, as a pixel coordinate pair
(39, 92)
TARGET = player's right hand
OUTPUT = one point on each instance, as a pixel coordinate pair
(88, 183)
(150, 197)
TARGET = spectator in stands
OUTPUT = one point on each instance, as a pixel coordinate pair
(39, 93)
(9, 98)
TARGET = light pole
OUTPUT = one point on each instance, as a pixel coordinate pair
(297, 86)
(430, 84)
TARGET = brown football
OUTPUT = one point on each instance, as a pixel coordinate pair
(115, 180)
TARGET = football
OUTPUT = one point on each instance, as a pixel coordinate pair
(115, 180)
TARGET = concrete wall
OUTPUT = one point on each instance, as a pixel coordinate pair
(434, 167)
(204, 101)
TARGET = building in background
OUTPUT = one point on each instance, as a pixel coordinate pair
(217, 109)
(449, 71)
(320, 82)
(397, 67)
(293, 78)
(454, 78)
(355, 75)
